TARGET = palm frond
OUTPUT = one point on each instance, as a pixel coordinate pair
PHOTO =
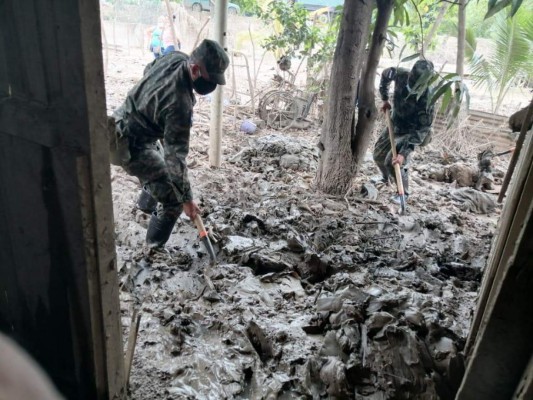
(470, 43)
(510, 58)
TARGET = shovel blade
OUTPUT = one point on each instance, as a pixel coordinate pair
(209, 248)
(403, 205)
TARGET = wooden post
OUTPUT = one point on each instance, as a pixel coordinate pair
(106, 48)
(215, 131)
(516, 152)
(171, 21)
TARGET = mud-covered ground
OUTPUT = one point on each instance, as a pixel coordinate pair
(317, 296)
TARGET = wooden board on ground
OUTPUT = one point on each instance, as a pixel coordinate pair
(485, 128)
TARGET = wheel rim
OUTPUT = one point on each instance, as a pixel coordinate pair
(279, 110)
(324, 18)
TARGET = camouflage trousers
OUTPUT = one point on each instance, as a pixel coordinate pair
(383, 159)
(148, 164)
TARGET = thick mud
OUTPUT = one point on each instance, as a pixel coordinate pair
(317, 296)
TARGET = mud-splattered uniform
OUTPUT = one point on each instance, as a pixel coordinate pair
(160, 106)
(411, 119)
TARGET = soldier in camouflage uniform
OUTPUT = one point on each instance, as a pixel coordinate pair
(160, 106)
(411, 119)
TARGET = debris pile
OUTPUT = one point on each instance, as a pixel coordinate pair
(318, 296)
(277, 153)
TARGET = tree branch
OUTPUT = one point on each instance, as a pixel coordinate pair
(421, 29)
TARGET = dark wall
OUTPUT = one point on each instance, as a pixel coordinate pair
(48, 250)
(42, 304)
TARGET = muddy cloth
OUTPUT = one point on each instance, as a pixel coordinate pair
(473, 200)
(411, 120)
(160, 106)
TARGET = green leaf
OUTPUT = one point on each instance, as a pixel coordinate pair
(470, 43)
(439, 92)
(510, 59)
(446, 98)
(409, 58)
(515, 6)
(422, 83)
(398, 16)
(450, 76)
(497, 7)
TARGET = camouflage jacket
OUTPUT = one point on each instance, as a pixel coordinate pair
(160, 106)
(411, 119)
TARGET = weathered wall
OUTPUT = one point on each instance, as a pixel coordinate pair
(56, 226)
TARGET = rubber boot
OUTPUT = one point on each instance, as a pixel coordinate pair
(159, 230)
(405, 181)
(146, 203)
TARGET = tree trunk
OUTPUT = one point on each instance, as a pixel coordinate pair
(367, 110)
(440, 17)
(461, 35)
(336, 166)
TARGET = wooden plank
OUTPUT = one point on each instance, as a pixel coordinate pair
(22, 118)
(484, 128)
(19, 247)
(43, 305)
(12, 49)
(132, 341)
(516, 153)
(524, 391)
(99, 201)
(500, 343)
(508, 217)
(26, 36)
(57, 257)
(486, 115)
(48, 45)
(4, 81)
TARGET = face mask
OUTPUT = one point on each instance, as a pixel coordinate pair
(203, 86)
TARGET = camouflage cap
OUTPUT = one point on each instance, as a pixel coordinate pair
(214, 59)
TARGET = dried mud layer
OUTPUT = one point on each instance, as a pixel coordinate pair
(317, 297)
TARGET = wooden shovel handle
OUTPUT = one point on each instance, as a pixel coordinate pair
(391, 133)
(200, 226)
(397, 170)
(399, 181)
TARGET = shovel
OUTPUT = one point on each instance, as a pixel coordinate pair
(202, 232)
(207, 243)
(397, 171)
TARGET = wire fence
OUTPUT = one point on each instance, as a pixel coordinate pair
(127, 24)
